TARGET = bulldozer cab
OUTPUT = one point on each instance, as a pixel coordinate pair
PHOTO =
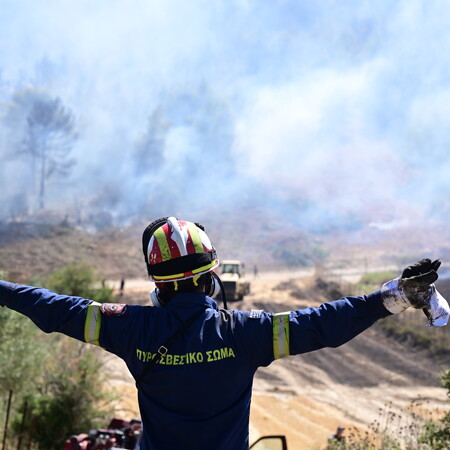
(233, 267)
(236, 286)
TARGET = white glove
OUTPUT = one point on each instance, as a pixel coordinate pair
(415, 288)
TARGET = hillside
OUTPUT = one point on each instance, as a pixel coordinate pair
(29, 250)
(35, 249)
(304, 397)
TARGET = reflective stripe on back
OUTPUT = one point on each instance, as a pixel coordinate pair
(92, 324)
(281, 335)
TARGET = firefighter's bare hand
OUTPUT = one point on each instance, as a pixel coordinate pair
(417, 280)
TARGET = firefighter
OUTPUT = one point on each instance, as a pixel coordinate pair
(194, 363)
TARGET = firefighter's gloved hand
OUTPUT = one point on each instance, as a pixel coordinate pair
(417, 281)
(413, 288)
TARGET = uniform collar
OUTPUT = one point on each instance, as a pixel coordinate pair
(191, 300)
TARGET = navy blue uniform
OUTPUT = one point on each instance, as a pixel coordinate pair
(198, 396)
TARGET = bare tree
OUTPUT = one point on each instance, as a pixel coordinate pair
(44, 130)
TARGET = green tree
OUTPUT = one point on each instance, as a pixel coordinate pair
(60, 379)
(70, 397)
(79, 280)
(21, 351)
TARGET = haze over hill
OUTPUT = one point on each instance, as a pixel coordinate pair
(298, 133)
(33, 251)
(323, 115)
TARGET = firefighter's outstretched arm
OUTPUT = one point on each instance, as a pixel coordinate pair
(49, 311)
(109, 325)
(330, 325)
(335, 323)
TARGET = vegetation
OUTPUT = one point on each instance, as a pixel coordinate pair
(408, 430)
(409, 327)
(57, 382)
(21, 351)
(397, 431)
(291, 256)
(68, 399)
(79, 280)
(437, 436)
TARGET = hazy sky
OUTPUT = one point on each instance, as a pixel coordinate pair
(326, 110)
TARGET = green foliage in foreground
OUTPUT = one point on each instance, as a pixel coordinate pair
(60, 379)
(393, 430)
(69, 398)
(57, 380)
(79, 280)
(437, 436)
(21, 351)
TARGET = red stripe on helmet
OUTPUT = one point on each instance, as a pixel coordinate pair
(154, 254)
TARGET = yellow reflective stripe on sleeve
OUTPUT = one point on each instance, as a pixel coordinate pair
(92, 325)
(281, 335)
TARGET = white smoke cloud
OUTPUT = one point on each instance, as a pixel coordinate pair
(329, 106)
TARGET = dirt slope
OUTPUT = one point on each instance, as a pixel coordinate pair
(306, 397)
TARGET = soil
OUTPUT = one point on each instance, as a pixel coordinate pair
(369, 383)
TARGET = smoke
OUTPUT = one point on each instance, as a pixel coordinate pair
(324, 112)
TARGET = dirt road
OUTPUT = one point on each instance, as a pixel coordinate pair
(306, 397)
